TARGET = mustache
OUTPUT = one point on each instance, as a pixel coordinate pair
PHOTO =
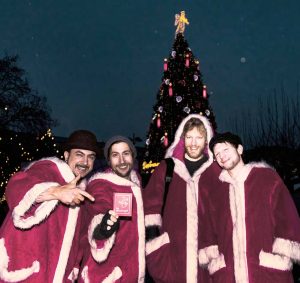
(82, 166)
(123, 164)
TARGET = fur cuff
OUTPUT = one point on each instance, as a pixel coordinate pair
(74, 274)
(157, 243)
(207, 254)
(99, 254)
(114, 276)
(41, 213)
(216, 264)
(275, 261)
(17, 275)
(287, 248)
(153, 220)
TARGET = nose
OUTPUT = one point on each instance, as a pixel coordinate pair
(85, 160)
(194, 141)
(121, 159)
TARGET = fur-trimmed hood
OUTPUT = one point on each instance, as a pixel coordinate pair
(176, 149)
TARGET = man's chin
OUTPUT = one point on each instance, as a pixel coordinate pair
(194, 156)
(123, 174)
(82, 174)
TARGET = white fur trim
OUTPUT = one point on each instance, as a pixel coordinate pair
(114, 276)
(17, 275)
(66, 244)
(236, 198)
(287, 248)
(62, 166)
(179, 131)
(153, 220)
(74, 274)
(192, 230)
(141, 231)
(85, 274)
(101, 254)
(216, 264)
(157, 243)
(113, 178)
(41, 213)
(207, 254)
(275, 261)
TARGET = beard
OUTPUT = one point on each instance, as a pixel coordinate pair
(194, 154)
(123, 170)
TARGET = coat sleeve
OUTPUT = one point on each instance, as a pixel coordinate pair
(157, 248)
(286, 222)
(100, 190)
(23, 189)
(209, 255)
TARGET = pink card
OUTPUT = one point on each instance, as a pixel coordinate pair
(123, 204)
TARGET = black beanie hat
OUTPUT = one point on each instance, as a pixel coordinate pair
(225, 137)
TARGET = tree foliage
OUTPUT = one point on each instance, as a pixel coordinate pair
(21, 108)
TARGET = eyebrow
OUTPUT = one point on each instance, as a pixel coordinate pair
(125, 151)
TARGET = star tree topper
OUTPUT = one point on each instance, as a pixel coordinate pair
(180, 21)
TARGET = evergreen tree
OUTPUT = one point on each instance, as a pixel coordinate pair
(181, 93)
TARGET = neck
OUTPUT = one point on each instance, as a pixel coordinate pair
(237, 170)
(192, 159)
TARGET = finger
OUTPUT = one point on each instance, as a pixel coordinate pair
(113, 213)
(76, 200)
(75, 180)
(87, 195)
(110, 223)
(113, 218)
(80, 197)
(108, 227)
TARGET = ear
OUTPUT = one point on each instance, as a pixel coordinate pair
(66, 155)
(240, 149)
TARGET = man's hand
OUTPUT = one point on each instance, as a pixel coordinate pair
(109, 224)
(68, 194)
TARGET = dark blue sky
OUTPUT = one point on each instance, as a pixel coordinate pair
(100, 63)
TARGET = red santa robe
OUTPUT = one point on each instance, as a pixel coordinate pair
(173, 256)
(36, 239)
(252, 228)
(121, 257)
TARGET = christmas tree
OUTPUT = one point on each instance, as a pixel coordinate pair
(181, 93)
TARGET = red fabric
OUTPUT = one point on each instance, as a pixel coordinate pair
(125, 251)
(169, 262)
(43, 241)
(269, 214)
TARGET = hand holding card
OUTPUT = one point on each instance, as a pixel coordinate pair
(123, 204)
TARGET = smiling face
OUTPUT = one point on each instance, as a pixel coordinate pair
(228, 156)
(120, 159)
(194, 143)
(81, 161)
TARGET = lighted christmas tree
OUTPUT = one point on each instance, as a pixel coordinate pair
(181, 93)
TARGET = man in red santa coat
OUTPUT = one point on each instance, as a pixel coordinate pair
(252, 228)
(114, 241)
(39, 236)
(172, 226)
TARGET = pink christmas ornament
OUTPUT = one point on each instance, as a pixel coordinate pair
(170, 90)
(204, 93)
(165, 64)
(187, 60)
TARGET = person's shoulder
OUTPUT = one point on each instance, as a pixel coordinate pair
(213, 169)
(262, 167)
